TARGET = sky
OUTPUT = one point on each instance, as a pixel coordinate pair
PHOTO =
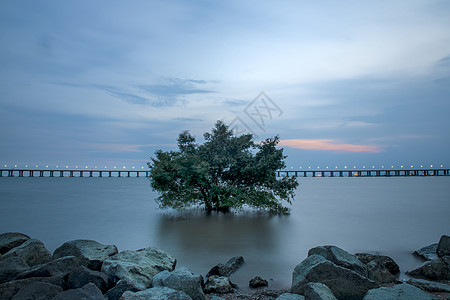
(342, 83)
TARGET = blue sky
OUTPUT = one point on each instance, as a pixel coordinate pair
(106, 83)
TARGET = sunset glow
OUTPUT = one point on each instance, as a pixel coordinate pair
(327, 145)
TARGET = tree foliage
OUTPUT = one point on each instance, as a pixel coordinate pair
(224, 172)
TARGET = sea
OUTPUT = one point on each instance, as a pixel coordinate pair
(389, 216)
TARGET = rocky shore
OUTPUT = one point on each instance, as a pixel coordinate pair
(86, 269)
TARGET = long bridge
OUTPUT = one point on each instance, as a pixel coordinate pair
(281, 173)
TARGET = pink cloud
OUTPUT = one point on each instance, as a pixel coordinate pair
(327, 145)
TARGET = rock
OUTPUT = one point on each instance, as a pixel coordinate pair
(289, 296)
(436, 269)
(378, 272)
(89, 253)
(156, 293)
(121, 287)
(10, 288)
(11, 240)
(227, 269)
(218, 284)
(343, 282)
(443, 247)
(428, 252)
(87, 292)
(430, 286)
(59, 267)
(182, 280)
(401, 292)
(81, 276)
(216, 298)
(138, 267)
(37, 291)
(340, 257)
(32, 251)
(388, 262)
(257, 282)
(11, 267)
(318, 291)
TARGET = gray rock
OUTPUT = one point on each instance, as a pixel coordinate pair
(428, 252)
(388, 262)
(290, 296)
(121, 287)
(430, 286)
(182, 280)
(443, 247)
(87, 292)
(32, 251)
(378, 272)
(156, 293)
(218, 284)
(257, 282)
(138, 267)
(343, 282)
(227, 269)
(89, 253)
(10, 240)
(318, 291)
(10, 288)
(340, 257)
(81, 276)
(11, 267)
(398, 292)
(436, 269)
(59, 267)
(216, 298)
(37, 291)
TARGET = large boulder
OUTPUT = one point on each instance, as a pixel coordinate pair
(10, 288)
(227, 269)
(37, 291)
(218, 284)
(257, 282)
(156, 293)
(318, 291)
(10, 240)
(89, 253)
(388, 262)
(121, 287)
(59, 267)
(11, 267)
(182, 280)
(32, 251)
(343, 282)
(430, 286)
(340, 257)
(378, 272)
(87, 292)
(436, 269)
(443, 247)
(428, 252)
(138, 267)
(398, 292)
(81, 276)
(290, 296)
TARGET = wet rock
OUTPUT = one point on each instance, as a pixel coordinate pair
(89, 253)
(379, 273)
(290, 296)
(428, 252)
(340, 257)
(138, 267)
(121, 287)
(216, 298)
(32, 251)
(343, 282)
(227, 269)
(398, 292)
(11, 267)
(443, 247)
(430, 286)
(436, 269)
(218, 284)
(10, 288)
(156, 293)
(37, 291)
(10, 240)
(182, 280)
(59, 267)
(388, 262)
(81, 276)
(257, 282)
(87, 292)
(318, 291)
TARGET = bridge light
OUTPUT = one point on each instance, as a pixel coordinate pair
(36, 166)
(401, 166)
(336, 167)
(364, 167)
(15, 166)
(67, 167)
(114, 167)
(6, 166)
(76, 167)
(123, 167)
(373, 167)
(354, 167)
(421, 166)
(382, 167)
(57, 167)
(327, 167)
(442, 166)
(318, 167)
(26, 166)
(142, 167)
(86, 167)
(345, 167)
(392, 166)
(431, 166)
(133, 167)
(309, 167)
(46, 166)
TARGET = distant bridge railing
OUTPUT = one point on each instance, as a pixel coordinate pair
(72, 173)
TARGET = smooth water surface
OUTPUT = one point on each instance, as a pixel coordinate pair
(390, 216)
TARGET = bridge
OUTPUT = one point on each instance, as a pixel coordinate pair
(282, 173)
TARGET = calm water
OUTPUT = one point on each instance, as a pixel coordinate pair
(390, 216)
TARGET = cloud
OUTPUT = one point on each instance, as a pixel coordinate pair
(173, 87)
(327, 145)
